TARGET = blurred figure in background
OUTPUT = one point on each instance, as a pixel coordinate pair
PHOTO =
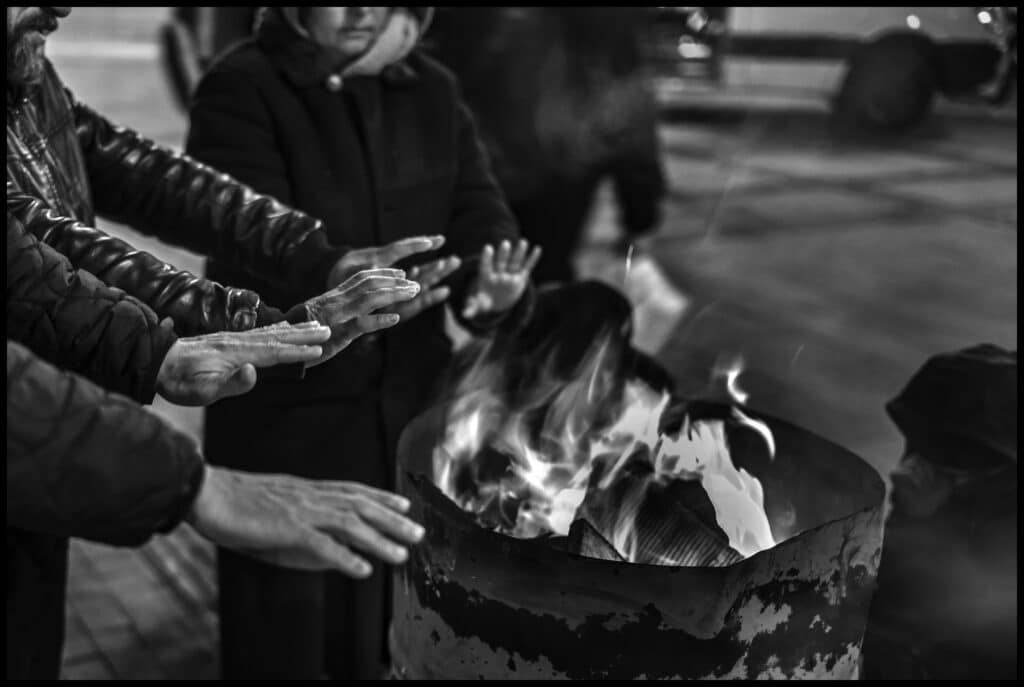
(562, 105)
(946, 603)
(193, 37)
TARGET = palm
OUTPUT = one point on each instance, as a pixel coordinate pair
(502, 278)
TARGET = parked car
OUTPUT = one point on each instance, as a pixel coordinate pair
(878, 66)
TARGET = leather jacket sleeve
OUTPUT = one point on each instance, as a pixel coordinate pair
(82, 462)
(196, 305)
(185, 203)
(70, 318)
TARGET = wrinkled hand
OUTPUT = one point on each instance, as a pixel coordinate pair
(380, 256)
(199, 370)
(304, 524)
(502, 278)
(347, 309)
(427, 276)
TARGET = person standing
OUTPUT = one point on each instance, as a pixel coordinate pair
(335, 111)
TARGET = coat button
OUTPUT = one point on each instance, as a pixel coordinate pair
(334, 83)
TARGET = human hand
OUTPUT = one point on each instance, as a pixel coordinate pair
(301, 523)
(380, 256)
(427, 276)
(347, 308)
(502, 278)
(199, 370)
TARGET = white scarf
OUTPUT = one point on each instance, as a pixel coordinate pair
(399, 37)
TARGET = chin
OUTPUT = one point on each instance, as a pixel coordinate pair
(354, 46)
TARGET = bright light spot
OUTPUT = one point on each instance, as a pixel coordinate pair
(984, 17)
(690, 49)
(913, 22)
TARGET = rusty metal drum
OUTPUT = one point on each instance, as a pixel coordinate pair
(476, 604)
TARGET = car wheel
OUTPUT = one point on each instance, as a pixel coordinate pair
(890, 84)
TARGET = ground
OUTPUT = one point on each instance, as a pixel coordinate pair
(834, 265)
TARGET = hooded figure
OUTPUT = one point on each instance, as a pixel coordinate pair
(946, 603)
(335, 111)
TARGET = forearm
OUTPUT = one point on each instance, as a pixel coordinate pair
(196, 305)
(68, 316)
(82, 462)
(186, 203)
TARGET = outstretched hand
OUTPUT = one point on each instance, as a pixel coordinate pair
(350, 310)
(301, 523)
(380, 256)
(502, 279)
(199, 370)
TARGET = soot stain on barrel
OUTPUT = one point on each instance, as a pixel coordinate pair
(590, 651)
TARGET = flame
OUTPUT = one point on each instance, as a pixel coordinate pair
(731, 370)
(582, 461)
(737, 495)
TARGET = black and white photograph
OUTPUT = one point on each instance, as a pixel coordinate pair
(511, 343)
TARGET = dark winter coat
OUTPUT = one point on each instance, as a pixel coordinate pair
(71, 319)
(81, 462)
(378, 159)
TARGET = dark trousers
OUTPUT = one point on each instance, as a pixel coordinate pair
(289, 624)
(295, 625)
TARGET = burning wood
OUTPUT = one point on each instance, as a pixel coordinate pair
(555, 427)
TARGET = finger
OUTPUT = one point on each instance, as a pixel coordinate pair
(359, 535)
(353, 329)
(366, 303)
(347, 292)
(403, 248)
(270, 353)
(423, 302)
(374, 323)
(444, 269)
(286, 354)
(532, 261)
(363, 275)
(242, 381)
(515, 262)
(487, 263)
(389, 522)
(386, 498)
(437, 270)
(501, 262)
(336, 555)
(313, 333)
(472, 308)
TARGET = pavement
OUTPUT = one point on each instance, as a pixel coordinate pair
(834, 264)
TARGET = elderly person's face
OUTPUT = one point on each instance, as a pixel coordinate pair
(349, 30)
(27, 29)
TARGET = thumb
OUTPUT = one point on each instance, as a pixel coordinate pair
(241, 381)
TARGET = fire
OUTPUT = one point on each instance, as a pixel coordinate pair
(590, 448)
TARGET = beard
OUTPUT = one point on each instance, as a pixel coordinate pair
(26, 53)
